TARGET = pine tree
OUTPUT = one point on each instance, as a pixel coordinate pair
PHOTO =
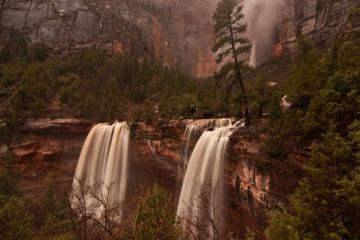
(230, 44)
(326, 203)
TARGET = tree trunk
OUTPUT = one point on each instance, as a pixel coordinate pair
(226, 105)
(247, 116)
(239, 77)
(260, 111)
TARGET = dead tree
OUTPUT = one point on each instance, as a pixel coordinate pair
(96, 215)
(206, 223)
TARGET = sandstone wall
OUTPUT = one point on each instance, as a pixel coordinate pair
(178, 34)
(321, 21)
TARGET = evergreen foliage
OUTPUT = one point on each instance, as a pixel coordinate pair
(90, 84)
(154, 218)
(230, 45)
(324, 90)
(15, 222)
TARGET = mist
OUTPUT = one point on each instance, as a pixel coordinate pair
(262, 18)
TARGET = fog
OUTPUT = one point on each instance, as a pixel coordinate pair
(262, 19)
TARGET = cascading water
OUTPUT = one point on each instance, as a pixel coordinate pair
(102, 167)
(204, 171)
(189, 132)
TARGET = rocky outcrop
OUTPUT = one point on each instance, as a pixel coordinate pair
(248, 179)
(56, 126)
(47, 152)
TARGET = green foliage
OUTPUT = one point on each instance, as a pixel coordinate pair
(5, 54)
(35, 88)
(324, 92)
(284, 129)
(355, 17)
(305, 81)
(339, 100)
(8, 185)
(326, 202)
(260, 94)
(57, 228)
(15, 47)
(15, 222)
(249, 235)
(231, 236)
(154, 218)
(229, 45)
(324, 86)
(9, 74)
(57, 223)
(230, 40)
(281, 227)
(39, 52)
(9, 127)
(91, 84)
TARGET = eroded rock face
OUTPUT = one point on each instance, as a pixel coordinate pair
(321, 21)
(178, 34)
(47, 125)
(71, 24)
(47, 152)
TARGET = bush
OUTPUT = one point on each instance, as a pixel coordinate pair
(15, 221)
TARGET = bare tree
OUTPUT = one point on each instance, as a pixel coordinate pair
(95, 212)
(204, 219)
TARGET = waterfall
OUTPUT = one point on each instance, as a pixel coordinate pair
(189, 132)
(102, 167)
(203, 174)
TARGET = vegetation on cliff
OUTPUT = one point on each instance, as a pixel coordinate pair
(89, 84)
(324, 90)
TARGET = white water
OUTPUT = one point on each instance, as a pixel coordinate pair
(204, 171)
(189, 132)
(102, 166)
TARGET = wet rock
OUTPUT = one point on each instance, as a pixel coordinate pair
(3, 151)
(50, 151)
(57, 126)
(25, 151)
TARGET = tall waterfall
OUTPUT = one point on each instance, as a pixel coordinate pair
(102, 166)
(203, 174)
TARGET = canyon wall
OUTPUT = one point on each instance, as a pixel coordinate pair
(177, 33)
(322, 21)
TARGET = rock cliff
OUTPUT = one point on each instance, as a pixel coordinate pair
(177, 33)
(321, 21)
